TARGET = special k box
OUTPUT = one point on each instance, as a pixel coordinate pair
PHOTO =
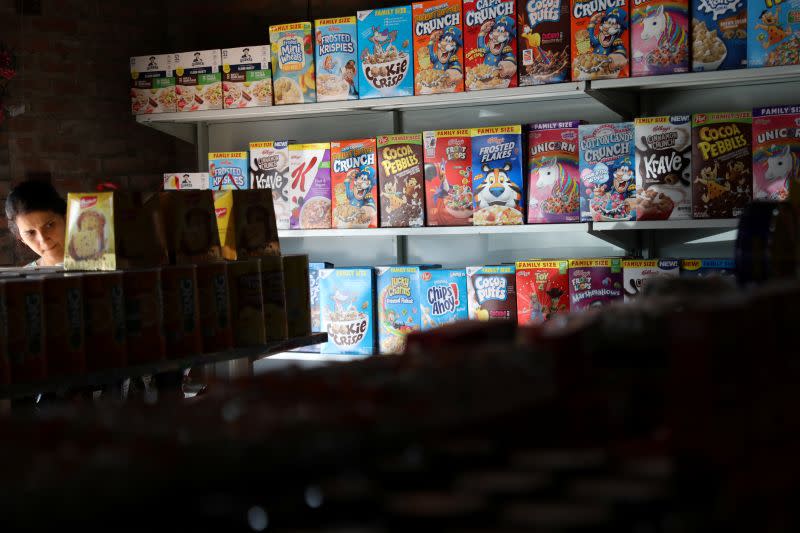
(385, 50)
(490, 44)
(553, 177)
(293, 63)
(228, 170)
(152, 85)
(354, 184)
(246, 77)
(337, 59)
(438, 47)
(179, 181)
(659, 37)
(269, 169)
(448, 177)
(600, 39)
(497, 176)
(776, 151)
(198, 85)
(310, 187)
(542, 290)
(544, 41)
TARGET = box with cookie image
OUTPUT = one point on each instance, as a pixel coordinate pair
(198, 85)
(347, 310)
(152, 85)
(246, 77)
(190, 226)
(354, 184)
(595, 282)
(401, 181)
(492, 293)
(385, 48)
(246, 224)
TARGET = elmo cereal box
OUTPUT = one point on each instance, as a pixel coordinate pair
(152, 85)
(438, 47)
(228, 170)
(448, 177)
(310, 186)
(638, 273)
(293, 63)
(497, 182)
(386, 66)
(400, 179)
(544, 41)
(719, 34)
(594, 282)
(659, 37)
(608, 184)
(773, 38)
(776, 151)
(600, 39)
(542, 290)
(354, 184)
(337, 59)
(443, 297)
(346, 299)
(269, 169)
(553, 177)
(398, 306)
(492, 293)
(246, 77)
(490, 44)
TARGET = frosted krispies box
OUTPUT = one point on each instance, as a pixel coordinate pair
(776, 151)
(542, 290)
(198, 80)
(443, 298)
(385, 62)
(293, 63)
(246, 77)
(228, 170)
(178, 181)
(594, 282)
(152, 85)
(310, 188)
(398, 306)
(719, 34)
(659, 37)
(773, 36)
(638, 273)
(269, 169)
(497, 176)
(608, 184)
(346, 300)
(492, 293)
(553, 177)
(336, 59)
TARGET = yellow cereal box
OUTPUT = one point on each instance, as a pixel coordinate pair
(90, 232)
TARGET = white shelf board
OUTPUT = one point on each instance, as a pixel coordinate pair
(694, 224)
(698, 80)
(436, 231)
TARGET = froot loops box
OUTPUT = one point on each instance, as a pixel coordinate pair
(347, 312)
(386, 66)
(608, 182)
(448, 177)
(776, 151)
(443, 297)
(659, 37)
(594, 282)
(293, 63)
(337, 59)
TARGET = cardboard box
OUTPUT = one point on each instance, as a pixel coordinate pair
(336, 59)
(246, 224)
(347, 297)
(542, 290)
(398, 304)
(600, 39)
(400, 180)
(275, 305)
(144, 315)
(198, 85)
(354, 184)
(594, 282)
(298, 305)
(181, 312)
(269, 169)
(719, 35)
(190, 226)
(554, 178)
(448, 177)
(544, 41)
(386, 66)
(490, 44)
(492, 293)
(608, 181)
(776, 151)
(247, 303)
(310, 189)
(246, 77)
(438, 47)
(773, 33)
(152, 84)
(497, 176)
(659, 37)
(228, 170)
(181, 181)
(213, 295)
(443, 298)
(293, 63)
(638, 273)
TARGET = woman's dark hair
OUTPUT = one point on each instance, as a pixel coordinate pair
(30, 196)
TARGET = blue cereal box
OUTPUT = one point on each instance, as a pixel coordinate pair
(385, 52)
(337, 59)
(497, 176)
(228, 171)
(707, 268)
(492, 292)
(606, 162)
(398, 306)
(719, 34)
(444, 297)
(313, 294)
(347, 313)
(293, 63)
(774, 36)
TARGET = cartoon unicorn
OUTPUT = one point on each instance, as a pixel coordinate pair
(381, 39)
(657, 24)
(552, 180)
(782, 166)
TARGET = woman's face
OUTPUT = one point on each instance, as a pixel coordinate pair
(44, 233)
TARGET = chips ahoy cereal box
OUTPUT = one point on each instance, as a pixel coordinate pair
(608, 184)
(347, 312)
(594, 282)
(398, 306)
(544, 41)
(490, 44)
(492, 293)
(269, 169)
(310, 186)
(638, 273)
(336, 59)
(443, 297)
(542, 290)
(659, 37)
(773, 38)
(497, 176)
(386, 67)
(293, 63)
(719, 34)
(354, 183)
(400, 179)
(776, 151)
(600, 39)
(553, 177)
(438, 47)
(228, 170)
(448, 177)
(705, 268)
(246, 77)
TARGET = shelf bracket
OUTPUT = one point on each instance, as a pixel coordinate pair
(397, 121)
(201, 144)
(623, 103)
(630, 241)
(401, 249)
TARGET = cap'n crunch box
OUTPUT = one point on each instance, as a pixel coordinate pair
(544, 41)
(638, 273)
(246, 77)
(293, 63)
(269, 169)
(490, 44)
(310, 186)
(198, 85)
(773, 38)
(354, 184)
(386, 67)
(228, 170)
(776, 151)
(346, 297)
(400, 180)
(608, 183)
(542, 290)
(443, 298)
(337, 59)
(659, 37)
(553, 177)
(492, 293)
(719, 34)
(497, 176)
(448, 177)
(152, 84)
(594, 282)
(398, 306)
(438, 47)
(600, 39)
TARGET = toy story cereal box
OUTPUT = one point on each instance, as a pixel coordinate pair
(438, 47)
(181, 181)
(492, 293)
(448, 177)
(544, 41)
(497, 182)
(659, 37)
(310, 186)
(553, 177)
(608, 184)
(542, 290)
(246, 77)
(400, 180)
(198, 85)
(443, 298)
(346, 299)
(773, 36)
(398, 306)
(269, 169)
(386, 66)
(719, 34)
(490, 44)
(776, 151)
(594, 282)
(704, 268)
(336, 59)
(293, 63)
(354, 183)
(152, 84)
(600, 39)
(638, 273)
(228, 171)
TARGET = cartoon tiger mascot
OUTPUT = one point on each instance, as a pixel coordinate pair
(497, 188)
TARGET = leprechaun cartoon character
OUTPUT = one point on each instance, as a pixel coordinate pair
(606, 39)
(495, 39)
(359, 187)
(443, 50)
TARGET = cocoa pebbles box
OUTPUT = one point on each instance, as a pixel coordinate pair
(542, 290)
(438, 47)
(398, 306)
(553, 177)
(722, 178)
(354, 183)
(386, 65)
(269, 169)
(544, 41)
(594, 282)
(336, 59)
(198, 85)
(492, 293)
(776, 151)
(490, 44)
(246, 77)
(448, 177)
(659, 37)
(293, 76)
(347, 313)
(608, 184)
(497, 176)
(401, 181)
(152, 85)
(600, 39)
(638, 273)
(719, 35)
(443, 297)
(773, 38)
(310, 188)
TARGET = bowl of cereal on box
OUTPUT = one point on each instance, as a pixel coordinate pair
(385, 70)
(708, 50)
(316, 213)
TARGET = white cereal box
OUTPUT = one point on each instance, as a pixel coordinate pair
(198, 85)
(152, 85)
(246, 77)
(180, 181)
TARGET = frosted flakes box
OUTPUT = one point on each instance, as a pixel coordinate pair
(663, 168)
(293, 63)
(438, 47)
(776, 151)
(152, 84)
(722, 179)
(354, 184)
(346, 298)
(659, 37)
(600, 39)
(310, 186)
(246, 224)
(544, 41)
(492, 293)
(228, 171)
(269, 169)
(773, 38)
(181, 181)
(490, 44)
(385, 53)
(553, 177)
(246, 77)
(638, 273)
(401, 180)
(336, 59)
(497, 176)
(594, 282)
(448, 177)
(719, 34)
(198, 85)
(608, 184)
(398, 306)
(443, 297)
(542, 290)
(704, 268)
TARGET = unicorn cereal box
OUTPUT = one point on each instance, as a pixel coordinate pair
(773, 38)
(269, 169)
(542, 290)
(659, 37)
(398, 306)
(336, 59)
(443, 298)
(386, 67)
(776, 151)
(490, 44)
(492, 293)
(438, 47)
(310, 187)
(600, 39)
(448, 177)
(497, 182)
(639, 273)
(608, 184)
(594, 282)
(347, 312)
(354, 184)
(544, 41)
(719, 35)
(553, 177)
(401, 180)
(293, 63)
(246, 77)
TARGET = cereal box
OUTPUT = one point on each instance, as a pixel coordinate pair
(247, 303)
(298, 306)
(497, 176)
(443, 297)
(213, 295)
(269, 169)
(490, 44)
(492, 293)
(776, 151)
(152, 85)
(637, 273)
(663, 168)
(384, 42)
(198, 85)
(704, 268)
(438, 47)
(659, 37)
(273, 285)
(448, 177)
(608, 184)
(90, 240)
(105, 324)
(542, 290)
(594, 282)
(544, 41)
(144, 315)
(228, 170)
(553, 176)
(64, 315)
(354, 183)
(246, 224)
(310, 187)
(181, 313)
(773, 38)
(180, 181)
(313, 297)
(293, 63)
(346, 297)
(337, 59)
(190, 226)
(27, 329)
(722, 179)
(398, 306)
(719, 34)
(246, 77)
(400, 181)
(600, 39)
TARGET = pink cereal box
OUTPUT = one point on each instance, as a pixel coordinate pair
(608, 183)
(553, 177)
(310, 185)
(776, 151)
(659, 37)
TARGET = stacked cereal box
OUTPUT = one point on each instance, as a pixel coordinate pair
(198, 84)
(544, 41)
(553, 180)
(719, 35)
(293, 63)
(152, 85)
(594, 282)
(497, 182)
(346, 299)
(542, 290)
(269, 169)
(448, 177)
(228, 170)
(246, 77)
(310, 189)
(180, 181)
(398, 306)
(638, 273)
(659, 37)
(438, 47)
(354, 184)
(490, 44)
(400, 179)
(600, 47)
(607, 178)
(443, 297)
(774, 36)
(492, 293)
(709, 268)
(776, 151)
(385, 48)
(336, 59)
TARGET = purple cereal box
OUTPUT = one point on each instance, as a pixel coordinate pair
(660, 37)
(608, 184)
(594, 282)
(553, 177)
(776, 151)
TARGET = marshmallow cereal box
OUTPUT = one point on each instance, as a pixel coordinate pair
(542, 290)
(398, 306)
(386, 66)
(638, 273)
(337, 59)
(776, 151)
(293, 63)
(246, 77)
(608, 184)
(152, 85)
(228, 170)
(198, 85)
(594, 282)
(347, 312)
(354, 183)
(448, 177)
(553, 177)
(497, 176)
(443, 298)
(659, 37)
(492, 293)
(719, 35)
(544, 41)
(490, 44)
(438, 47)
(773, 37)
(269, 169)
(310, 186)
(600, 39)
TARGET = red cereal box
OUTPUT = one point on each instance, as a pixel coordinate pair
(490, 44)
(542, 290)
(448, 177)
(354, 184)
(600, 39)
(438, 47)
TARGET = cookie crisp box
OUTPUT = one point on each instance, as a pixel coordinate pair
(346, 299)
(386, 66)
(198, 85)
(246, 77)
(152, 84)
(776, 151)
